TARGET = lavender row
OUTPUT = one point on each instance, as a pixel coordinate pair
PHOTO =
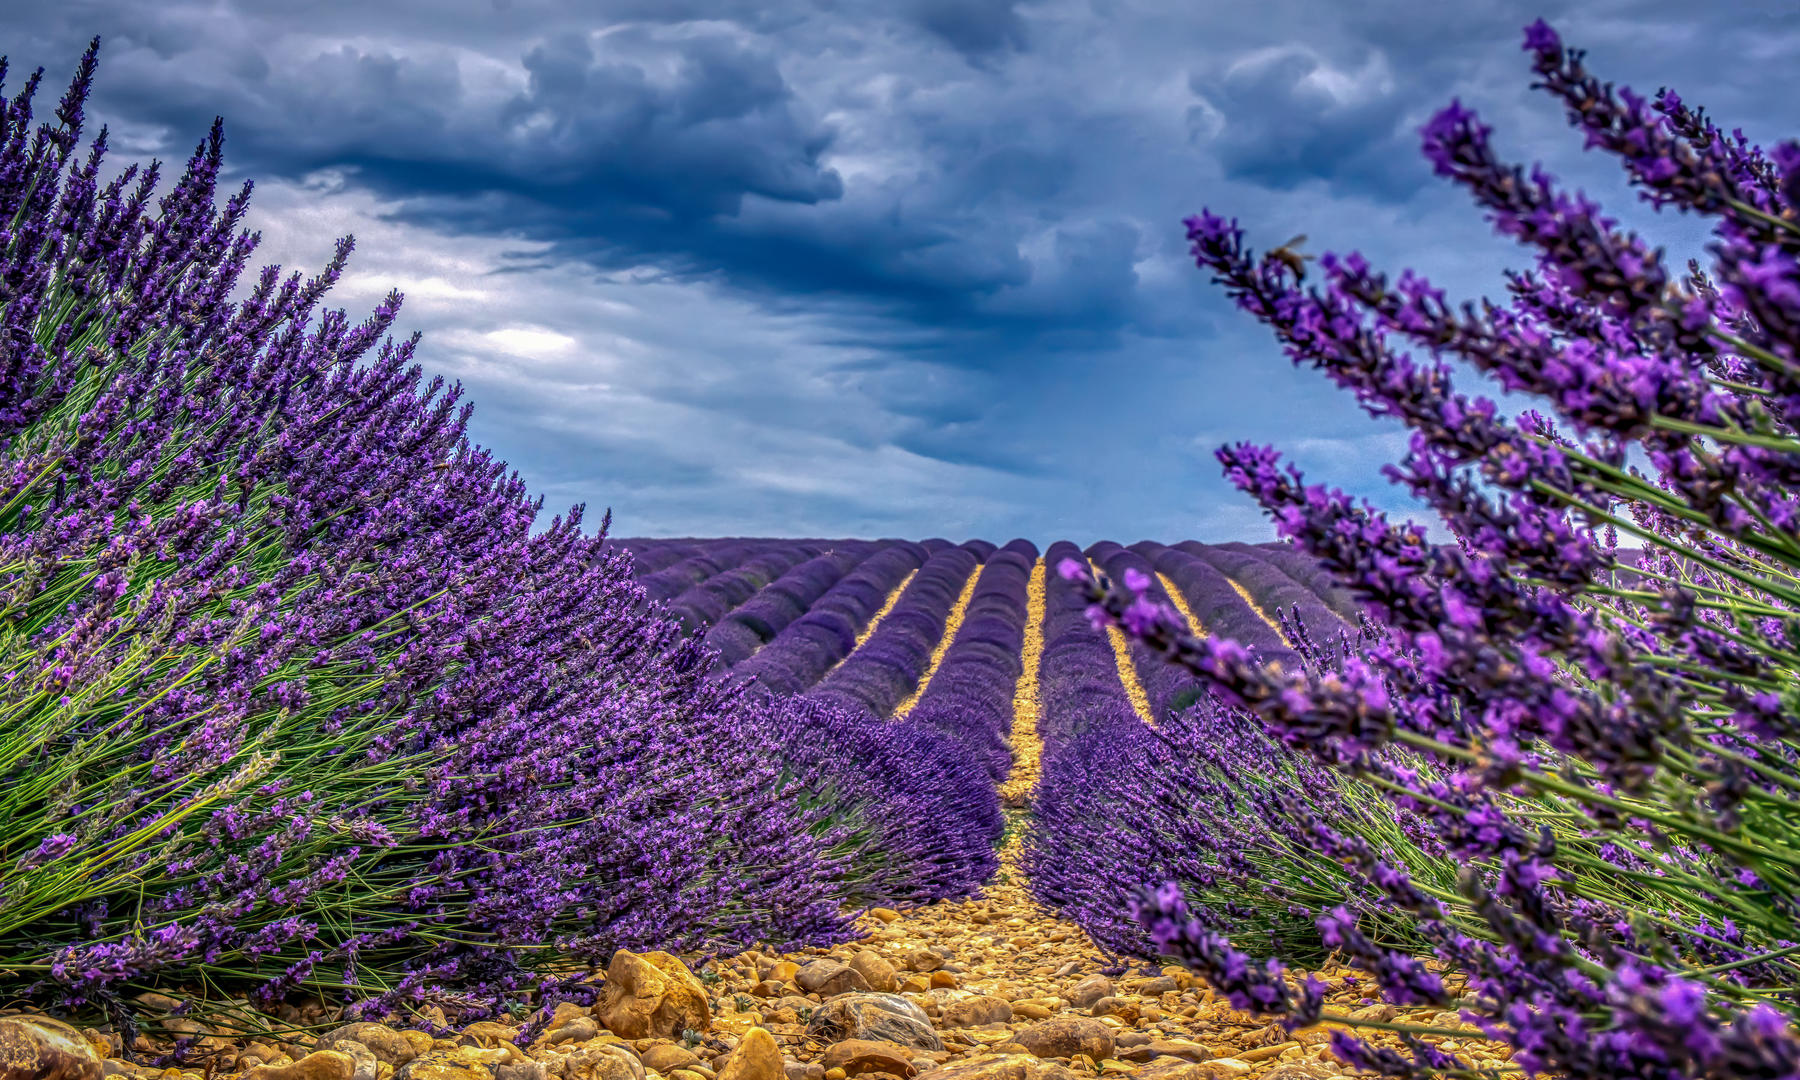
(1217, 607)
(1168, 687)
(1085, 722)
(702, 605)
(886, 668)
(677, 578)
(970, 697)
(1272, 590)
(1309, 572)
(755, 622)
(808, 647)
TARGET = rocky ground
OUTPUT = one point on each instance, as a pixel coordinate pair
(990, 989)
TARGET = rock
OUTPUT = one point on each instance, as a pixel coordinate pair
(943, 980)
(1031, 1010)
(1302, 1070)
(1157, 987)
(652, 995)
(388, 1045)
(1264, 1053)
(784, 971)
(923, 960)
(915, 984)
(522, 1070)
(1089, 990)
(829, 978)
(602, 1061)
(859, 1056)
(976, 1011)
(1378, 1013)
(769, 988)
(877, 1017)
(756, 1058)
(1216, 1069)
(1003, 1067)
(1067, 1037)
(366, 1063)
(667, 1057)
(1112, 1006)
(417, 1041)
(878, 973)
(578, 1029)
(886, 915)
(39, 1048)
(318, 1065)
(1179, 1048)
(457, 1063)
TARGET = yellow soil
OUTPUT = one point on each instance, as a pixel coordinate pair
(1181, 605)
(1026, 747)
(893, 598)
(1134, 688)
(1263, 615)
(952, 623)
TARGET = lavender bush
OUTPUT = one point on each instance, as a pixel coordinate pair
(752, 624)
(1616, 754)
(298, 700)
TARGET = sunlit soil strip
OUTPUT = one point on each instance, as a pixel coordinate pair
(893, 598)
(1181, 605)
(1026, 749)
(952, 623)
(1260, 613)
(1134, 688)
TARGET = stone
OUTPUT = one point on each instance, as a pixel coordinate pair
(1378, 1013)
(318, 1065)
(456, 1063)
(1031, 1010)
(976, 1011)
(388, 1045)
(39, 1048)
(943, 980)
(886, 915)
(756, 1058)
(1089, 990)
(859, 1056)
(878, 973)
(578, 1029)
(829, 978)
(667, 1057)
(1067, 1037)
(417, 1041)
(1179, 1048)
(1112, 1006)
(652, 995)
(1264, 1053)
(1158, 986)
(878, 1017)
(1302, 1070)
(602, 1061)
(915, 984)
(1216, 1069)
(769, 988)
(1001, 1067)
(923, 961)
(522, 1070)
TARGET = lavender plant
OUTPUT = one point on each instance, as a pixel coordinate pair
(1615, 750)
(297, 700)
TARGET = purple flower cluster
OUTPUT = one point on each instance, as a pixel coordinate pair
(1607, 755)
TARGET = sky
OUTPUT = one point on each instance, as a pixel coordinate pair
(883, 267)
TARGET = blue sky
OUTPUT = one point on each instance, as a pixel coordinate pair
(896, 268)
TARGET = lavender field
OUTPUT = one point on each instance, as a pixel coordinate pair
(326, 753)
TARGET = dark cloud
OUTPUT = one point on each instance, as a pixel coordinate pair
(853, 265)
